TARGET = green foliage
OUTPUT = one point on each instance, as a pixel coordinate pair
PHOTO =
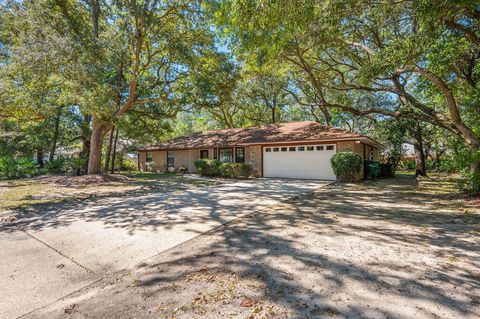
(11, 168)
(56, 166)
(346, 166)
(73, 165)
(61, 165)
(208, 167)
(471, 184)
(235, 170)
(128, 166)
(408, 165)
(212, 167)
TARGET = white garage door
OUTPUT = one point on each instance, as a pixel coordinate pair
(309, 161)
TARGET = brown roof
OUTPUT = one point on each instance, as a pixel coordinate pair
(271, 133)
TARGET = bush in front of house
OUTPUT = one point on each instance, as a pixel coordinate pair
(346, 165)
(208, 167)
(212, 167)
(236, 170)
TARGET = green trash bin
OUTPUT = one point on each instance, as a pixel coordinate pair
(372, 169)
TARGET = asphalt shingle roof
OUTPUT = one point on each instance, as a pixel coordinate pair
(270, 133)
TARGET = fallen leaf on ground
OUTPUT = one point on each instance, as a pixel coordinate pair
(248, 302)
(70, 309)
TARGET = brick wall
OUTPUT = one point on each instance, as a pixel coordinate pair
(254, 157)
(376, 152)
(159, 159)
(142, 157)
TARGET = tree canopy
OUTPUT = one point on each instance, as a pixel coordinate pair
(156, 69)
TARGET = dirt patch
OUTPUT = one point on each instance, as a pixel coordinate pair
(27, 193)
(381, 249)
(93, 179)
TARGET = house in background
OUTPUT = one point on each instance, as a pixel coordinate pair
(286, 150)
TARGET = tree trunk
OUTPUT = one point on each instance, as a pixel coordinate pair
(109, 150)
(274, 116)
(40, 157)
(420, 168)
(475, 166)
(96, 143)
(112, 169)
(86, 136)
(55, 136)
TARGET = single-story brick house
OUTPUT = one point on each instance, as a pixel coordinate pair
(289, 150)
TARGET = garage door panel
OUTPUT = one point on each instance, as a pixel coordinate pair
(311, 164)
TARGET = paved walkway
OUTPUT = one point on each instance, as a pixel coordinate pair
(68, 246)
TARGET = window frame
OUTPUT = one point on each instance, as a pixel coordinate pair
(148, 159)
(223, 149)
(243, 154)
(202, 152)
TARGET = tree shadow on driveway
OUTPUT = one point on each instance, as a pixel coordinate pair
(357, 251)
(163, 210)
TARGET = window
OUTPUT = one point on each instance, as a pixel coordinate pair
(203, 154)
(301, 148)
(292, 148)
(215, 155)
(371, 156)
(320, 148)
(330, 147)
(239, 155)
(268, 149)
(170, 160)
(226, 155)
(310, 148)
(149, 157)
(284, 149)
(275, 149)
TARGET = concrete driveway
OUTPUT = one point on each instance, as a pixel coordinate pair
(65, 247)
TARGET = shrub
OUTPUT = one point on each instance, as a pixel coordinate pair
(11, 168)
(471, 185)
(208, 167)
(56, 166)
(235, 170)
(128, 166)
(407, 165)
(346, 165)
(72, 166)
